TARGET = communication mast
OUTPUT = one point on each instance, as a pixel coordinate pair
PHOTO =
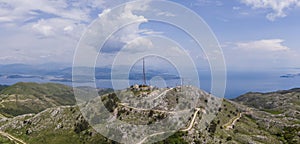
(144, 72)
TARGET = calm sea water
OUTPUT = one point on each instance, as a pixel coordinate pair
(238, 83)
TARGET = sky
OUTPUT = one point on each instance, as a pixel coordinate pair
(253, 34)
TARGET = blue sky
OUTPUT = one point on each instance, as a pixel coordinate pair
(253, 34)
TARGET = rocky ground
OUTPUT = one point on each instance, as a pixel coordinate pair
(251, 118)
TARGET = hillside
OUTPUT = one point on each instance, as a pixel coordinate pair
(237, 121)
(24, 98)
(56, 125)
(3, 87)
(286, 102)
(278, 112)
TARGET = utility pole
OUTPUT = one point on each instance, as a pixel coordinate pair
(144, 72)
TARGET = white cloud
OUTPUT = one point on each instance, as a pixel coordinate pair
(140, 44)
(19, 10)
(49, 17)
(168, 14)
(106, 11)
(20, 46)
(236, 8)
(52, 28)
(129, 32)
(43, 28)
(150, 32)
(278, 6)
(68, 29)
(259, 54)
(210, 2)
(110, 21)
(49, 30)
(263, 45)
(6, 19)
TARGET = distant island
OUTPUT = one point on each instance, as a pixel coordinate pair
(65, 74)
(23, 76)
(290, 75)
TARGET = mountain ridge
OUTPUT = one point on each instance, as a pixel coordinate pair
(237, 121)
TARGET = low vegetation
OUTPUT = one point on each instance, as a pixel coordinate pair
(251, 118)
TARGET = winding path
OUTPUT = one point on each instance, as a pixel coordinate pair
(187, 129)
(232, 122)
(159, 133)
(193, 120)
(163, 93)
(144, 139)
(12, 138)
(141, 109)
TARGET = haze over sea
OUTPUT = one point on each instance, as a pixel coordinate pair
(238, 82)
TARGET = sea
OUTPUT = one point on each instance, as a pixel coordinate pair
(237, 83)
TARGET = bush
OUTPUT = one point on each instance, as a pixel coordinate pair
(81, 126)
(229, 138)
(174, 139)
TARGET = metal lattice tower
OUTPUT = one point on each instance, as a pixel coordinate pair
(144, 72)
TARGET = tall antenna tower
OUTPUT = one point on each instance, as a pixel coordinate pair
(144, 72)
